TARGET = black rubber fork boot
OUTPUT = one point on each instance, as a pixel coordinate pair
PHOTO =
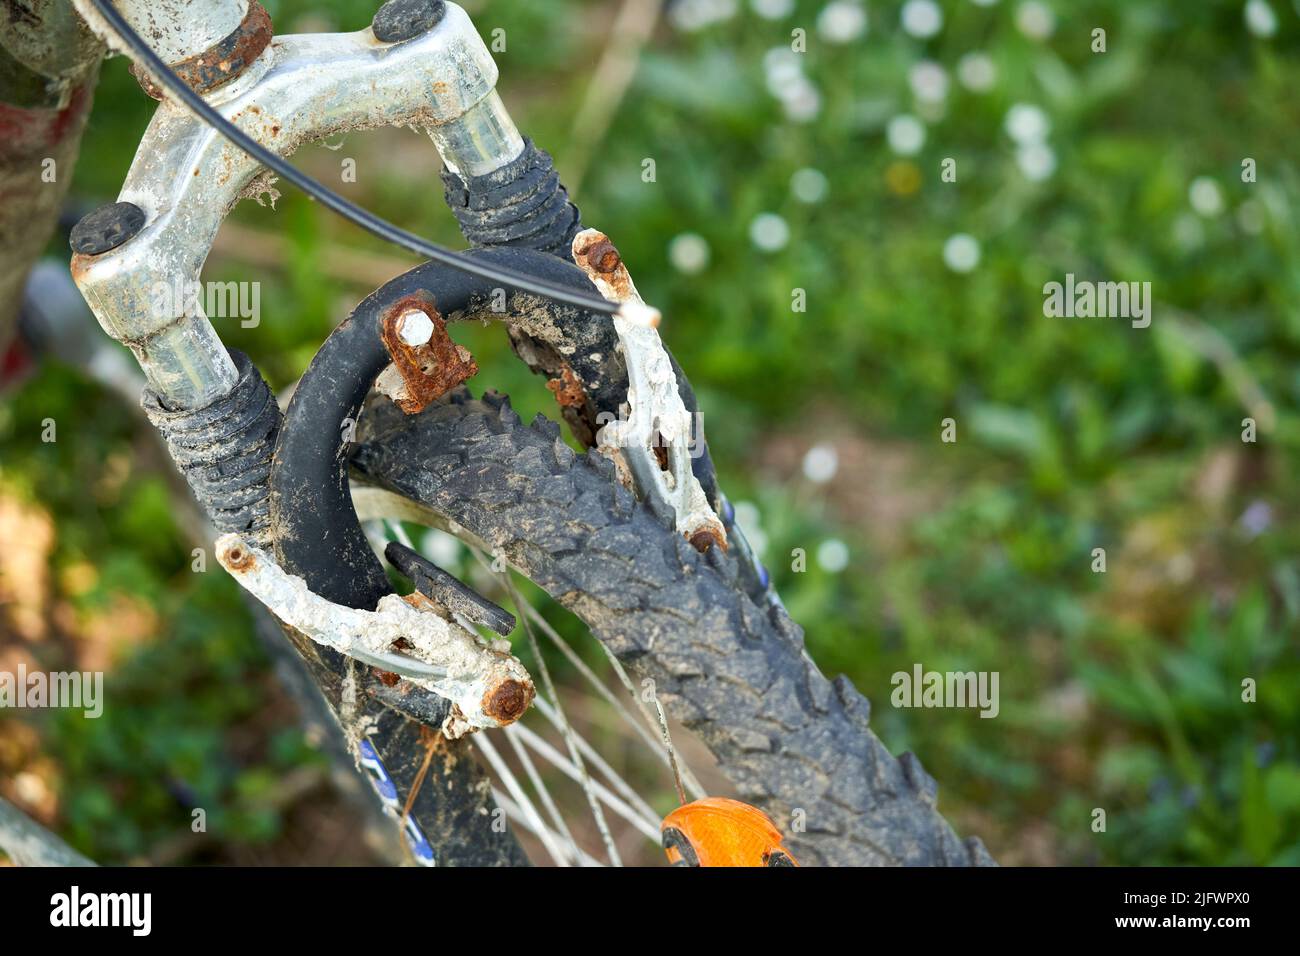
(521, 204)
(524, 204)
(224, 450)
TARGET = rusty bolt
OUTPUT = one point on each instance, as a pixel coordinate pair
(239, 559)
(106, 228)
(414, 327)
(603, 256)
(507, 701)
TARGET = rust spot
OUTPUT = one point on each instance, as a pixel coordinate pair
(424, 372)
(387, 678)
(79, 265)
(603, 256)
(420, 603)
(507, 701)
(704, 538)
(599, 256)
(222, 61)
(567, 389)
(660, 448)
(239, 558)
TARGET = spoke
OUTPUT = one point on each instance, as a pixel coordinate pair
(619, 784)
(682, 774)
(541, 789)
(377, 534)
(530, 812)
(399, 533)
(627, 803)
(649, 736)
(647, 826)
(570, 738)
(516, 816)
(668, 748)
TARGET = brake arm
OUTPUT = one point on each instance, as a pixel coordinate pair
(658, 421)
(486, 685)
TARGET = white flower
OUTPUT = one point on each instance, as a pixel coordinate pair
(769, 232)
(782, 69)
(1188, 232)
(1257, 518)
(921, 18)
(1027, 124)
(809, 185)
(1250, 217)
(977, 72)
(961, 253)
(1036, 160)
(31, 787)
(929, 82)
(1205, 197)
(820, 463)
(746, 516)
(842, 21)
(692, 15)
(833, 555)
(689, 253)
(801, 101)
(1035, 20)
(773, 9)
(748, 519)
(1260, 18)
(441, 548)
(906, 135)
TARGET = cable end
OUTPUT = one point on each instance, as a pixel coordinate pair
(638, 313)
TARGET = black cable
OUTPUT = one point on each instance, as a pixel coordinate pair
(338, 204)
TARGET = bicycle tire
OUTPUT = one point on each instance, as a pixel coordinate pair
(734, 674)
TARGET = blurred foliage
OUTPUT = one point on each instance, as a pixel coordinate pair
(1120, 690)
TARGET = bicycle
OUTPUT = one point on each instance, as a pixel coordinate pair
(635, 538)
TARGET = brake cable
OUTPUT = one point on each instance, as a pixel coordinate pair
(372, 223)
